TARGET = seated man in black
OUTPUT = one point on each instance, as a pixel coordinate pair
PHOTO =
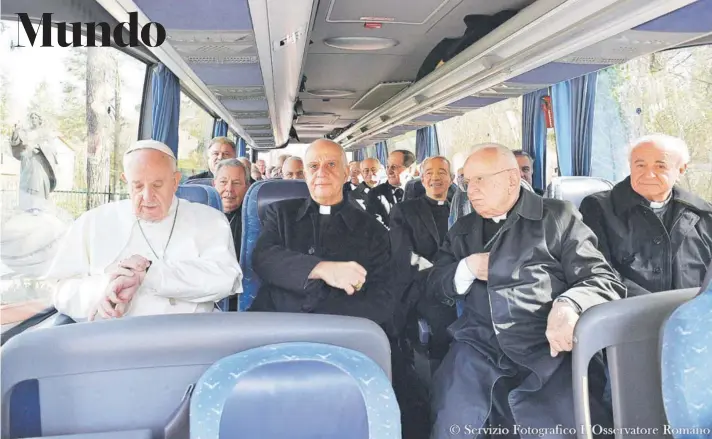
(526, 168)
(526, 267)
(384, 196)
(221, 148)
(323, 255)
(369, 169)
(418, 228)
(656, 234)
(232, 181)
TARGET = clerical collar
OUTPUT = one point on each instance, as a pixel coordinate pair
(436, 202)
(660, 204)
(329, 210)
(499, 218)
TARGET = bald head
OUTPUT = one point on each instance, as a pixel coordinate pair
(326, 171)
(493, 180)
(369, 171)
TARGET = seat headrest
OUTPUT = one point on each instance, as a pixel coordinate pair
(270, 191)
(202, 181)
(575, 189)
(196, 193)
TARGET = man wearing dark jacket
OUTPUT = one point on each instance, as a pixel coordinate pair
(368, 168)
(417, 228)
(221, 148)
(384, 196)
(657, 235)
(526, 267)
(354, 174)
(323, 255)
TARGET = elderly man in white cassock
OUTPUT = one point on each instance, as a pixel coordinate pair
(151, 254)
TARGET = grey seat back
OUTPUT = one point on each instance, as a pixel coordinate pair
(629, 330)
(575, 189)
(132, 374)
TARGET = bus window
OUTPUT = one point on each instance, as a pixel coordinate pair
(77, 109)
(195, 131)
(667, 92)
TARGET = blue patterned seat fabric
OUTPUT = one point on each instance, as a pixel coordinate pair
(686, 361)
(199, 193)
(258, 197)
(295, 390)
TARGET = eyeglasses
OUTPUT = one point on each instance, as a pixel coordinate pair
(480, 180)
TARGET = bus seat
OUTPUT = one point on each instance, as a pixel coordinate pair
(686, 359)
(575, 189)
(258, 197)
(202, 181)
(629, 330)
(261, 393)
(132, 374)
(202, 194)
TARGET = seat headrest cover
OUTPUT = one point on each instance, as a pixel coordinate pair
(218, 384)
(575, 189)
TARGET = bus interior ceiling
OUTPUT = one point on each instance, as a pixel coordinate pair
(347, 70)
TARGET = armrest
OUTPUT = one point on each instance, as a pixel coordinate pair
(632, 320)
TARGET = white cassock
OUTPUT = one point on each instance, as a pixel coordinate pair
(199, 266)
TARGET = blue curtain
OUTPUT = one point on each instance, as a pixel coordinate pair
(382, 152)
(220, 128)
(426, 143)
(241, 147)
(534, 134)
(166, 107)
(358, 155)
(574, 102)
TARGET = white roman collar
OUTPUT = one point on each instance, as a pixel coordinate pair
(497, 219)
(325, 210)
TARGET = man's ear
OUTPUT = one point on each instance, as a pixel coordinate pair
(683, 169)
(177, 175)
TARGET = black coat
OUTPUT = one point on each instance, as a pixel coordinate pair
(648, 257)
(413, 229)
(378, 198)
(542, 251)
(286, 252)
(206, 174)
(359, 196)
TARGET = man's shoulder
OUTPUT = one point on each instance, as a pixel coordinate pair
(559, 208)
(108, 209)
(201, 211)
(286, 206)
(364, 220)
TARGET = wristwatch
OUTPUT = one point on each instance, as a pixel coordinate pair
(568, 301)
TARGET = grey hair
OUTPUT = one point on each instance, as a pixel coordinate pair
(408, 157)
(668, 143)
(293, 158)
(222, 140)
(441, 157)
(232, 163)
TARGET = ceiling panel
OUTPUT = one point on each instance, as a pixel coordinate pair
(417, 12)
(245, 105)
(696, 17)
(248, 75)
(556, 72)
(198, 14)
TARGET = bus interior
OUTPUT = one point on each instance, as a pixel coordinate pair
(275, 73)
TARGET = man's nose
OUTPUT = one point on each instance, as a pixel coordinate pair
(147, 193)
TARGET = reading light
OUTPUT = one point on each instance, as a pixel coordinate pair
(360, 43)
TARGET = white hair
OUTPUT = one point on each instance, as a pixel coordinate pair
(668, 143)
(293, 159)
(231, 163)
